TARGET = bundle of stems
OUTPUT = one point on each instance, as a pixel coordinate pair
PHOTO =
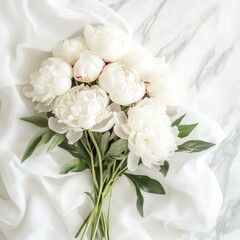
(104, 176)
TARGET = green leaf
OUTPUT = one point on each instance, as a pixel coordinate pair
(103, 145)
(117, 148)
(76, 165)
(37, 121)
(140, 200)
(34, 142)
(146, 183)
(185, 130)
(46, 137)
(178, 121)
(114, 158)
(164, 168)
(76, 151)
(57, 139)
(50, 114)
(194, 146)
(112, 136)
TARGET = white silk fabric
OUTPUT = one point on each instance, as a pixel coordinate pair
(38, 203)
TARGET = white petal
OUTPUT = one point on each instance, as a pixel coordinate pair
(147, 161)
(120, 118)
(119, 132)
(103, 126)
(132, 161)
(27, 91)
(56, 126)
(114, 107)
(73, 136)
(41, 107)
(171, 111)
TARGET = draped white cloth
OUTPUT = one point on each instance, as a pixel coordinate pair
(38, 203)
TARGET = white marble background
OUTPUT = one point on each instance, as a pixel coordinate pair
(201, 40)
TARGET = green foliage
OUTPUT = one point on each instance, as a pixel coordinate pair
(178, 121)
(117, 147)
(76, 165)
(146, 184)
(104, 141)
(164, 168)
(194, 146)
(41, 137)
(57, 139)
(50, 114)
(76, 151)
(190, 146)
(37, 121)
(140, 200)
(185, 130)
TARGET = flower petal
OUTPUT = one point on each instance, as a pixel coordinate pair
(120, 118)
(119, 132)
(56, 126)
(73, 136)
(132, 162)
(44, 107)
(171, 111)
(104, 125)
(114, 107)
(27, 91)
(41, 107)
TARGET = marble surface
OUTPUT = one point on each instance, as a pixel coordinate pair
(201, 40)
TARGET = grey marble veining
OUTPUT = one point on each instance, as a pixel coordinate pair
(201, 40)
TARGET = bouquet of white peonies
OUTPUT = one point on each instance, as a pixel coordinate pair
(111, 105)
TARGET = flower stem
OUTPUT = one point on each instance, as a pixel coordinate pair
(99, 156)
(96, 223)
(114, 176)
(83, 224)
(92, 165)
(89, 221)
(109, 209)
(99, 201)
(103, 186)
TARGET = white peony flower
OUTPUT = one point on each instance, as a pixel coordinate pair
(70, 49)
(149, 133)
(51, 80)
(88, 67)
(108, 41)
(141, 60)
(163, 85)
(122, 84)
(82, 108)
